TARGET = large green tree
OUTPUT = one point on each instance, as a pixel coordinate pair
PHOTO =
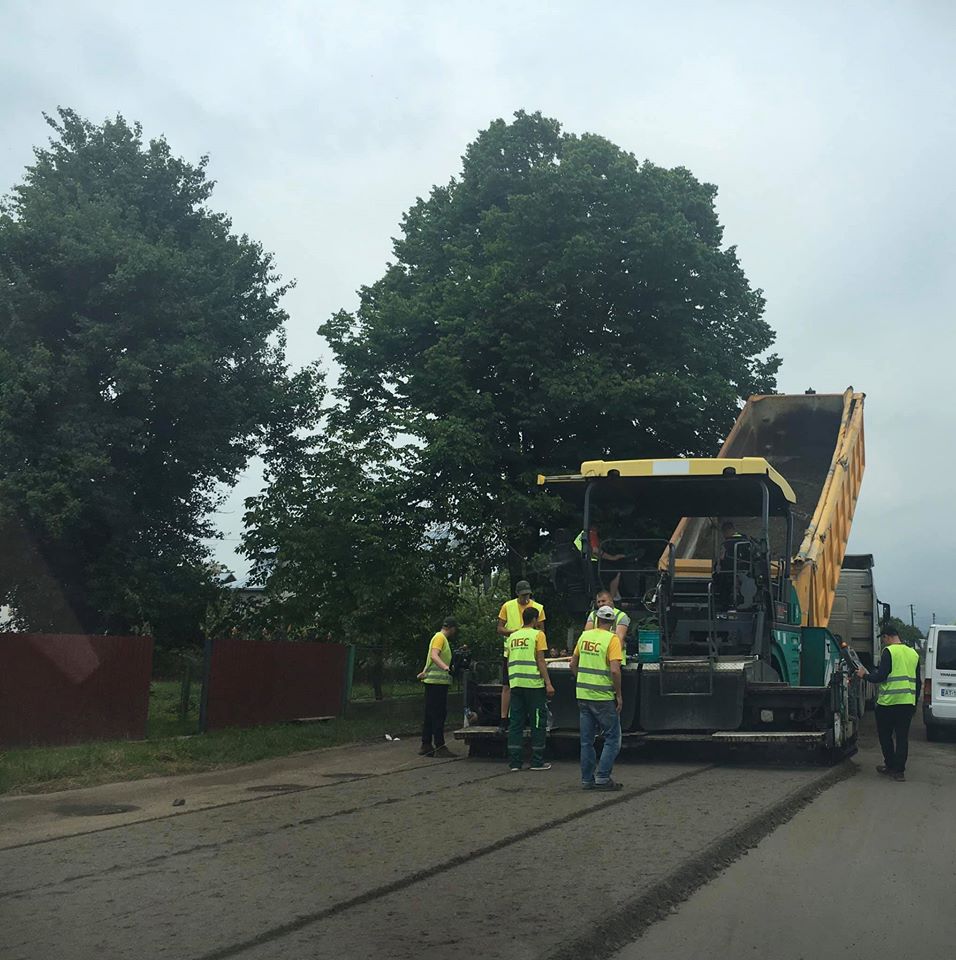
(558, 301)
(141, 364)
(344, 550)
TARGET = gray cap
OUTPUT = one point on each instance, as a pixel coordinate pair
(522, 586)
(605, 613)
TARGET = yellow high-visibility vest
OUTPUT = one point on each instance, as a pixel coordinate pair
(522, 659)
(900, 685)
(594, 670)
(515, 613)
(433, 672)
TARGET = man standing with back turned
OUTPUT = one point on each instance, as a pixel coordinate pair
(511, 618)
(898, 677)
(597, 664)
(530, 686)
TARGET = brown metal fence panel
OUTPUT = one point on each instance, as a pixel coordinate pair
(249, 682)
(71, 688)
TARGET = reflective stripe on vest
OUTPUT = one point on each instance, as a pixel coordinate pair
(522, 662)
(594, 671)
(433, 672)
(900, 686)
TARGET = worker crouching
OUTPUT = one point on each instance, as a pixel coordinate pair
(530, 687)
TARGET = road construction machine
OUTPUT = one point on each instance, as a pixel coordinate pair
(730, 642)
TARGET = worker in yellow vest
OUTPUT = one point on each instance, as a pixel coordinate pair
(436, 676)
(510, 619)
(596, 662)
(898, 677)
(530, 687)
(622, 622)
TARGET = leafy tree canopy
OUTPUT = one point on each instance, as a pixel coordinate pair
(908, 633)
(141, 364)
(344, 549)
(558, 301)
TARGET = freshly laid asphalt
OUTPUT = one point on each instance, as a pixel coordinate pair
(374, 852)
(868, 870)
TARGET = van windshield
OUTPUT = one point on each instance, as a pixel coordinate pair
(946, 650)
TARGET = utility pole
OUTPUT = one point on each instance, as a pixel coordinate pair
(912, 615)
(934, 618)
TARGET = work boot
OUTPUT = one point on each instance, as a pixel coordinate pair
(426, 750)
(444, 753)
(607, 785)
(899, 776)
(882, 768)
(503, 728)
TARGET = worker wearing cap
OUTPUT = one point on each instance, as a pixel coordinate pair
(622, 622)
(436, 676)
(596, 662)
(510, 618)
(898, 677)
(530, 685)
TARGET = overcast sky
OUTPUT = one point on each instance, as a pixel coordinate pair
(828, 128)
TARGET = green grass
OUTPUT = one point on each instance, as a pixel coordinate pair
(163, 719)
(398, 688)
(170, 750)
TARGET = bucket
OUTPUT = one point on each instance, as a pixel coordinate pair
(649, 646)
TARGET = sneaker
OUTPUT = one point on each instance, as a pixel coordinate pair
(899, 776)
(503, 728)
(882, 768)
(607, 785)
(514, 769)
(426, 751)
(540, 766)
(587, 784)
(444, 753)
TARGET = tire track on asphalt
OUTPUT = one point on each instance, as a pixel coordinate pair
(228, 803)
(299, 923)
(241, 838)
(632, 919)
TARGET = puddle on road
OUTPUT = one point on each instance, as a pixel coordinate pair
(93, 809)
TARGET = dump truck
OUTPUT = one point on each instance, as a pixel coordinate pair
(731, 645)
(858, 615)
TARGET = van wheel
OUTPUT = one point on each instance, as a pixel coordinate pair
(932, 733)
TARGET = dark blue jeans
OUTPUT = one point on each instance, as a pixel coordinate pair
(598, 716)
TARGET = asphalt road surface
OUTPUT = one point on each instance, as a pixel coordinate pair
(372, 852)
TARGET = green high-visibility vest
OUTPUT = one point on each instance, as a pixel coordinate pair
(433, 672)
(900, 685)
(522, 662)
(594, 670)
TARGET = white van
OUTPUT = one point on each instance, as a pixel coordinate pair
(939, 680)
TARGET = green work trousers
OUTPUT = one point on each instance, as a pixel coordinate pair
(529, 705)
